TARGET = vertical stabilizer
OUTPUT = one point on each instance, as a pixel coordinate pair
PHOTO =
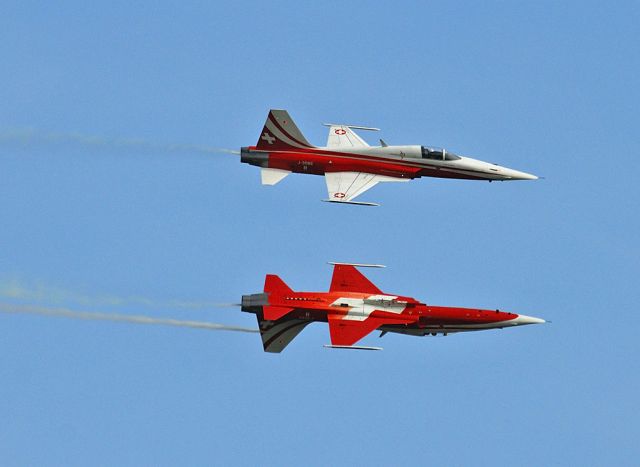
(281, 133)
(273, 283)
(276, 335)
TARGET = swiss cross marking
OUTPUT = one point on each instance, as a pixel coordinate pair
(340, 131)
(339, 195)
(268, 138)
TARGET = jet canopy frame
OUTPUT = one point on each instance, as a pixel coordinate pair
(438, 154)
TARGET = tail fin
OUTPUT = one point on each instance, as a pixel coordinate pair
(273, 283)
(276, 328)
(276, 335)
(281, 133)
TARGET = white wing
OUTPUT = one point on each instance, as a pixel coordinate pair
(341, 136)
(343, 187)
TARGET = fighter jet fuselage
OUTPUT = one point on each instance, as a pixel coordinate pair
(354, 307)
(394, 161)
(351, 166)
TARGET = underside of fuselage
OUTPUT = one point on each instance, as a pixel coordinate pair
(439, 329)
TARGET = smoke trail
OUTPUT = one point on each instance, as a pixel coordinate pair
(29, 136)
(15, 289)
(137, 319)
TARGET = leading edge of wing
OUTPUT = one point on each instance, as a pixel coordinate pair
(342, 136)
(346, 278)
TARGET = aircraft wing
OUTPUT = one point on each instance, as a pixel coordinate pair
(345, 332)
(342, 136)
(343, 187)
(346, 278)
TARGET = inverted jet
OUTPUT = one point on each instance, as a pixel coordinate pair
(354, 307)
(351, 166)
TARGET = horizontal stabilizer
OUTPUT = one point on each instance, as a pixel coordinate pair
(272, 176)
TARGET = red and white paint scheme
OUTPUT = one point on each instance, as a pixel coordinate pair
(354, 307)
(351, 166)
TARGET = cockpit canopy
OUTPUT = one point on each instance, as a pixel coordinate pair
(438, 154)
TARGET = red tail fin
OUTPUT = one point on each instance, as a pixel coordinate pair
(273, 283)
(281, 133)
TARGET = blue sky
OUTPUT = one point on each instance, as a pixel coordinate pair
(548, 88)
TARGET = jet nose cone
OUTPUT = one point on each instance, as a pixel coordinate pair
(524, 319)
(526, 176)
(517, 175)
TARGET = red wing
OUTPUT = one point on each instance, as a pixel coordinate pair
(348, 332)
(347, 278)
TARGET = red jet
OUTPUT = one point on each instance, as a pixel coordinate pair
(351, 166)
(355, 307)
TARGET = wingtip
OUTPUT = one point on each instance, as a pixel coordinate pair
(353, 127)
(357, 203)
(359, 265)
(351, 347)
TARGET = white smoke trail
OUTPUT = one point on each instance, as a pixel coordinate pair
(137, 319)
(30, 136)
(16, 289)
